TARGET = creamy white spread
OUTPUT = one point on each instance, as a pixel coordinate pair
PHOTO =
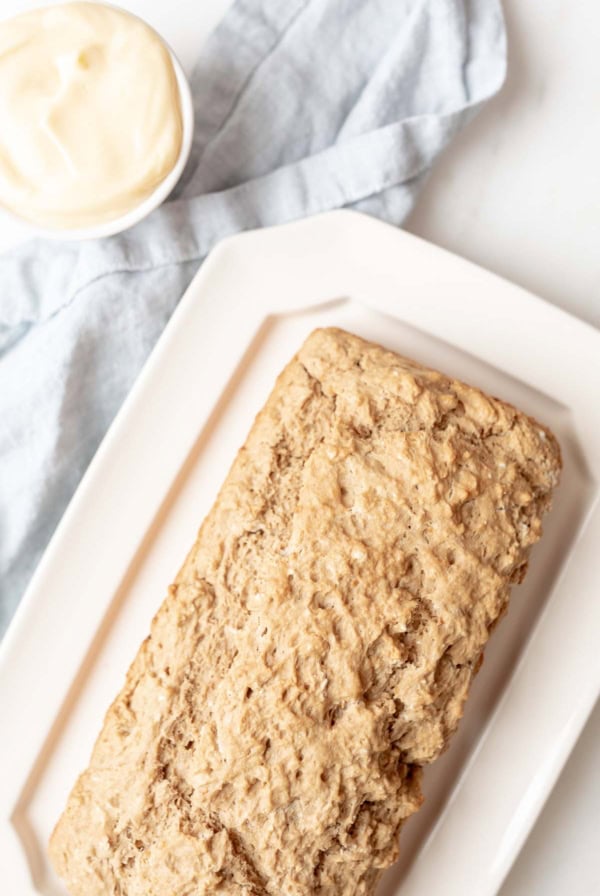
(90, 119)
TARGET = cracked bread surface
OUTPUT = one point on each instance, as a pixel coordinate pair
(318, 644)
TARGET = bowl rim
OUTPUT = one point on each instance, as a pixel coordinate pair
(162, 189)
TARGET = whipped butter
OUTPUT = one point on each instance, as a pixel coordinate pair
(90, 118)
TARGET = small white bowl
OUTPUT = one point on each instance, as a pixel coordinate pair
(159, 194)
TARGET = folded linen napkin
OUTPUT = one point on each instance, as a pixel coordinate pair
(301, 106)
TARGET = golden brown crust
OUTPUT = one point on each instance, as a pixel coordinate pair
(319, 642)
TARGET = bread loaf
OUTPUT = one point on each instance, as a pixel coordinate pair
(318, 644)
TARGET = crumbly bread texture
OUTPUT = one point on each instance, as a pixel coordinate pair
(319, 642)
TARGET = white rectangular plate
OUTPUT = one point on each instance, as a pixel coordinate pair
(140, 504)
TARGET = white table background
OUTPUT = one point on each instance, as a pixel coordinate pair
(519, 193)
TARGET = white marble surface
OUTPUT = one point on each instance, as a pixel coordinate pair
(519, 193)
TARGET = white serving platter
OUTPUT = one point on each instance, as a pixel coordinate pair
(157, 472)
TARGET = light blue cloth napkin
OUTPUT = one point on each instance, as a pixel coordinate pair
(301, 106)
